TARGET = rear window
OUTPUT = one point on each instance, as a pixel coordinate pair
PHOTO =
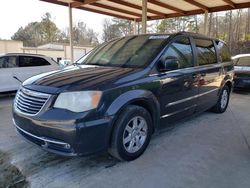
(224, 53)
(242, 61)
(29, 61)
(205, 52)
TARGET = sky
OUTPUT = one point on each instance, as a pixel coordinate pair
(17, 13)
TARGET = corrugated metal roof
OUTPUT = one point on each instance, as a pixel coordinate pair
(157, 9)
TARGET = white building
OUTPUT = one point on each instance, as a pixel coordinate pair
(57, 51)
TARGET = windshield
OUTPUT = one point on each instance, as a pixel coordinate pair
(132, 51)
(242, 61)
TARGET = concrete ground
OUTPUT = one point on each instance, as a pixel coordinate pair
(211, 150)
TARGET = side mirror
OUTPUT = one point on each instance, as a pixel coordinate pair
(169, 63)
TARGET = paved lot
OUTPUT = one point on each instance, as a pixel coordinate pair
(210, 150)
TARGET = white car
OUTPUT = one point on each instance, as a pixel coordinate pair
(17, 67)
(64, 62)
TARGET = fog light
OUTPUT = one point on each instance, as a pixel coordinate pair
(67, 146)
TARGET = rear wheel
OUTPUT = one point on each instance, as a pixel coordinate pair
(223, 101)
(131, 134)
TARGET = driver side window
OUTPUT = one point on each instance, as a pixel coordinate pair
(181, 50)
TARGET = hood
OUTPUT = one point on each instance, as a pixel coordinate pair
(79, 77)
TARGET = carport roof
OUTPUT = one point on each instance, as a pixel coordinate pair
(156, 9)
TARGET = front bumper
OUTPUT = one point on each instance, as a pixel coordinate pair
(68, 138)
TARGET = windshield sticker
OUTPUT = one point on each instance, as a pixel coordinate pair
(159, 37)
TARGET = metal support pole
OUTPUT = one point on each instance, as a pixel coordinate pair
(206, 22)
(144, 16)
(71, 35)
(135, 27)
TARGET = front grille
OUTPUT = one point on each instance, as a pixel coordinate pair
(30, 102)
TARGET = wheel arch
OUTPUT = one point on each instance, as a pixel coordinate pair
(143, 98)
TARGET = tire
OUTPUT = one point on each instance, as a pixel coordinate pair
(132, 133)
(222, 103)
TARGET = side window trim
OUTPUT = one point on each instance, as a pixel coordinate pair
(217, 52)
(169, 44)
(196, 50)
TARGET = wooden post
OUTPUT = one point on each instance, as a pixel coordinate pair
(205, 22)
(144, 16)
(71, 35)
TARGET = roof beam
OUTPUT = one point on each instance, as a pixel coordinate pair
(106, 13)
(85, 2)
(167, 6)
(79, 3)
(195, 3)
(200, 11)
(230, 3)
(116, 9)
(131, 5)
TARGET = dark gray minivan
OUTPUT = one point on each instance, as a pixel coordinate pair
(115, 97)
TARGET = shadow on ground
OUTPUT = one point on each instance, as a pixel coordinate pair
(10, 176)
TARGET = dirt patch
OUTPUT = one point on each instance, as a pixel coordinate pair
(10, 176)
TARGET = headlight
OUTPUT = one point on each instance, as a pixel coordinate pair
(78, 101)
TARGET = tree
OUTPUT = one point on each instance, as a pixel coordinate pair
(37, 33)
(110, 30)
(49, 30)
(80, 33)
(46, 31)
(173, 25)
(30, 34)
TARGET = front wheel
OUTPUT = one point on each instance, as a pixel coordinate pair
(131, 134)
(223, 101)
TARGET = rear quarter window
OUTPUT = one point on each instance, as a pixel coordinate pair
(205, 51)
(224, 53)
(29, 61)
(242, 61)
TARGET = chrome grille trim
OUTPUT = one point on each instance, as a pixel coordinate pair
(30, 102)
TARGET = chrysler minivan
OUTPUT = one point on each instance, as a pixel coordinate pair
(120, 93)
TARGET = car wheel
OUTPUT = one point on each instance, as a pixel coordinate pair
(223, 101)
(131, 134)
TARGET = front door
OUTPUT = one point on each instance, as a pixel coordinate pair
(179, 87)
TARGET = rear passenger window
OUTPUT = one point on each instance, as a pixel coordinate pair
(8, 62)
(224, 53)
(182, 50)
(205, 52)
(28, 61)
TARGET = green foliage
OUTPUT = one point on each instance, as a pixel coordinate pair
(30, 35)
(247, 37)
(46, 31)
(116, 28)
(172, 25)
(83, 35)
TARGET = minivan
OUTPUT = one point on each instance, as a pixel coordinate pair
(118, 95)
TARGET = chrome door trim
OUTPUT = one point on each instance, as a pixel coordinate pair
(178, 111)
(190, 98)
